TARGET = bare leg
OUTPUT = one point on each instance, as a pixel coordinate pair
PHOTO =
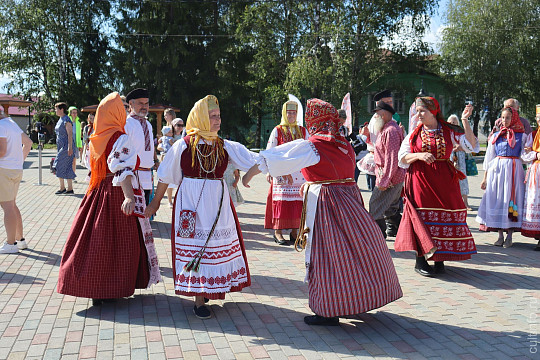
(508, 241)
(500, 241)
(70, 184)
(466, 201)
(199, 301)
(170, 196)
(279, 234)
(10, 220)
(19, 230)
(62, 186)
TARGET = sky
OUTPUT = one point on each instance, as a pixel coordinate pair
(432, 36)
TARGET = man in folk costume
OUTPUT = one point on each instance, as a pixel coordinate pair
(140, 131)
(530, 225)
(434, 223)
(209, 258)
(385, 201)
(348, 265)
(109, 252)
(284, 203)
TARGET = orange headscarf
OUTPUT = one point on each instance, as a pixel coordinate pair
(110, 119)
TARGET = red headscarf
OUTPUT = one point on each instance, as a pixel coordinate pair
(433, 106)
(515, 127)
(322, 122)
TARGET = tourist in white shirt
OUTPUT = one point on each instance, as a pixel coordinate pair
(14, 147)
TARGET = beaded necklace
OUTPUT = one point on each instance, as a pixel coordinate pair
(437, 136)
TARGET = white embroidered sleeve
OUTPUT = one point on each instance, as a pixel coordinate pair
(466, 145)
(122, 159)
(528, 155)
(490, 155)
(170, 170)
(240, 156)
(272, 140)
(288, 158)
(404, 149)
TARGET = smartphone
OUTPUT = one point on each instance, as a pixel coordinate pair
(468, 102)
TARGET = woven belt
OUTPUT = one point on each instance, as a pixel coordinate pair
(301, 239)
(144, 169)
(508, 157)
(202, 178)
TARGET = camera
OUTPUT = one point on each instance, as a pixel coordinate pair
(468, 102)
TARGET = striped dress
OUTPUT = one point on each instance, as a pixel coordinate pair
(348, 265)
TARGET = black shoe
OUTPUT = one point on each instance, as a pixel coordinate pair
(97, 302)
(422, 267)
(280, 242)
(202, 312)
(321, 320)
(392, 225)
(439, 267)
(206, 300)
(59, 192)
(382, 226)
(69, 192)
(292, 238)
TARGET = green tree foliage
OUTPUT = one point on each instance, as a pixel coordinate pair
(491, 51)
(55, 49)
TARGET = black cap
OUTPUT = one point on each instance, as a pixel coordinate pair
(381, 105)
(137, 94)
(383, 94)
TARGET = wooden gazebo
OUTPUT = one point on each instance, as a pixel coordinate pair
(158, 109)
(11, 100)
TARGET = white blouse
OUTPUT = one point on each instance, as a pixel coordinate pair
(491, 154)
(170, 170)
(461, 139)
(288, 158)
(122, 159)
(529, 156)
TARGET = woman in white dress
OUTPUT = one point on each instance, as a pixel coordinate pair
(501, 208)
(208, 250)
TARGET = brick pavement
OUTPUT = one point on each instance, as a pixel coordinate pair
(485, 308)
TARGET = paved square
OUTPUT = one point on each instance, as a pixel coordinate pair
(484, 308)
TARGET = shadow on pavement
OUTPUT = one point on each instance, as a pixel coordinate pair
(263, 324)
(48, 257)
(10, 278)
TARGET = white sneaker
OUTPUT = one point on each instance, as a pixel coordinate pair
(499, 242)
(9, 249)
(21, 244)
(507, 243)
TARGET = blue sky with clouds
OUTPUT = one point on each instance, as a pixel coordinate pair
(432, 36)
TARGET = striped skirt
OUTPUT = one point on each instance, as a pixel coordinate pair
(351, 270)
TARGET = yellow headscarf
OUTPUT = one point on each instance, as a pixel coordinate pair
(198, 121)
(285, 124)
(198, 127)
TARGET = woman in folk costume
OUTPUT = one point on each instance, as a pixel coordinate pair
(109, 252)
(434, 222)
(284, 203)
(501, 207)
(530, 225)
(209, 257)
(348, 265)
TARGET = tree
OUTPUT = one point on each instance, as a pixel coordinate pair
(56, 49)
(491, 51)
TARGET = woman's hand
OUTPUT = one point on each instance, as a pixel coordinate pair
(537, 156)
(426, 157)
(269, 178)
(302, 189)
(128, 206)
(483, 185)
(467, 112)
(151, 209)
(70, 151)
(254, 170)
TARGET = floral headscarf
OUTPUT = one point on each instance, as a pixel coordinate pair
(322, 122)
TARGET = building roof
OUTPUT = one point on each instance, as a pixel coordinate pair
(17, 105)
